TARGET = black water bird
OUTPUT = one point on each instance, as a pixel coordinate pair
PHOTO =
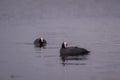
(72, 51)
(40, 42)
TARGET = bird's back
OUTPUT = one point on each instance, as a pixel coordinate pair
(73, 51)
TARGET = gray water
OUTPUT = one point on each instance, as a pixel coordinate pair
(91, 24)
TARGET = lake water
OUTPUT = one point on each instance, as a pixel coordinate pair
(20, 60)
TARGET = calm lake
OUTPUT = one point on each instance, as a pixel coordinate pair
(20, 60)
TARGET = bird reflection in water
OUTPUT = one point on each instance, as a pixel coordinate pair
(65, 60)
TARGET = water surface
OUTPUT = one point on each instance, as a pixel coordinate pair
(99, 33)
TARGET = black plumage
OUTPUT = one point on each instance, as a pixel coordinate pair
(40, 42)
(72, 51)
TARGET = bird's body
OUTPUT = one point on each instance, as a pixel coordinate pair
(40, 42)
(72, 51)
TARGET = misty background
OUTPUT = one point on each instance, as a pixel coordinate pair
(42, 9)
(20, 13)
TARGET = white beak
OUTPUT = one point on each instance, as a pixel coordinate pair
(41, 39)
(65, 44)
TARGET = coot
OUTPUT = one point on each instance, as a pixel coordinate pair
(72, 51)
(40, 42)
